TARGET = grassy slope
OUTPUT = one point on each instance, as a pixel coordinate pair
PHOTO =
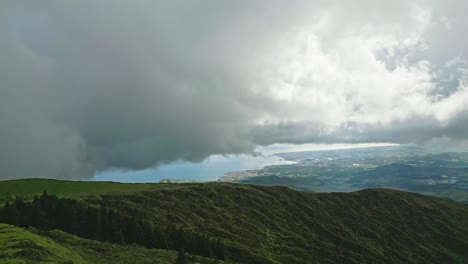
(27, 188)
(18, 245)
(21, 246)
(280, 225)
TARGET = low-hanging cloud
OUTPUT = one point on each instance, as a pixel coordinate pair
(91, 85)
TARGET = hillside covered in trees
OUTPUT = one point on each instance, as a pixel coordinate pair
(242, 224)
(49, 212)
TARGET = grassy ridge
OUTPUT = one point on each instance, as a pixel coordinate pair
(280, 225)
(18, 245)
(27, 188)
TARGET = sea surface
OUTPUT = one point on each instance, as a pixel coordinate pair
(210, 169)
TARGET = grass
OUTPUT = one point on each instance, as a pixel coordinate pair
(281, 225)
(273, 224)
(27, 188)
(18, 245)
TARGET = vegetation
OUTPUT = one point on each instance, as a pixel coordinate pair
(27, 188)
(181, 257)
(19, 245)
(50, 212)
(280, 225)
(403, 167)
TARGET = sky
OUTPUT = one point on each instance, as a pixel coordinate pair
(95, 85)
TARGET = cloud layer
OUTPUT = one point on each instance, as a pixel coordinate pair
(91, 85)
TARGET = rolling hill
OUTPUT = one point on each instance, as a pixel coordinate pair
(19, 245)
(27, 188)
(280, 225)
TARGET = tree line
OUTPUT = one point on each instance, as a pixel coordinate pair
(49, 212)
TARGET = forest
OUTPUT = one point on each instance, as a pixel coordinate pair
(47, 212)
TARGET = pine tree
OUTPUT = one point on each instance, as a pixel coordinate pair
(181, 257)
(160, 238)
(219, 250)
(131, 231)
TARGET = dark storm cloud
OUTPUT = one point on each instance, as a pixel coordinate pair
(88, 85)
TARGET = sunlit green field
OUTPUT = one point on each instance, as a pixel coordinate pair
(27, 188)
(18, 245)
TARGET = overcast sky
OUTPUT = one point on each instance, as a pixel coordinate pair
(90, 85)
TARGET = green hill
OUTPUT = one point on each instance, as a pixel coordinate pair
(27, 188)
(281, 225)
(18, 245)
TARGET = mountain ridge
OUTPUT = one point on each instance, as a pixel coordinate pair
(280, 225)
